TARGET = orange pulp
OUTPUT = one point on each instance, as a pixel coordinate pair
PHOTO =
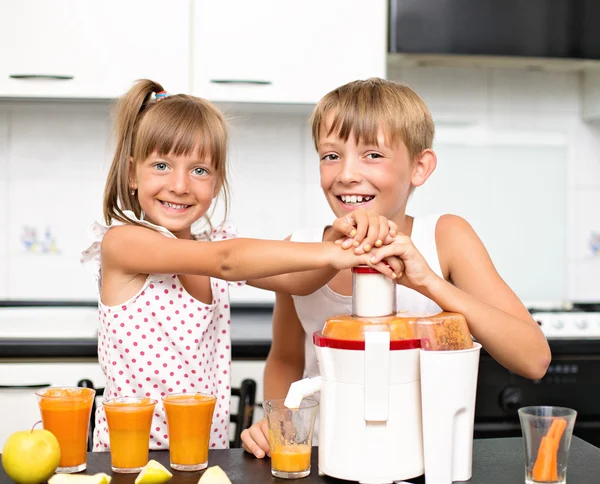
(291, 458)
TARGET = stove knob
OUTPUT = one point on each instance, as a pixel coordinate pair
(511, 399)
(558, 324)
(581, 324)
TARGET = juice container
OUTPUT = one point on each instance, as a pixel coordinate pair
(66, 413)
(129, 420)
(189, 419)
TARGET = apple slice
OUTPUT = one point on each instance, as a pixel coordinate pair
(214, 475)
(100, 478)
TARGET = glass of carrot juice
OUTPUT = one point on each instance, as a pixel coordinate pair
(129, 420)
(189, 419)
(290, 437)
(66, 413)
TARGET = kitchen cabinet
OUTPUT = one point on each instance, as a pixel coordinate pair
(19, 380)
(87, 49)
(285, 52)
(590, 98)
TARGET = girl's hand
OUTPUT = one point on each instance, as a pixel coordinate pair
(363, 230)
(256, 439)
(406, 262)
(341, 259)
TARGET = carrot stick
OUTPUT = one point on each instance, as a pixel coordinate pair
(545, 468)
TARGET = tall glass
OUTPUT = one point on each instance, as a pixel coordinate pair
(129, 420)
(66, 413)
(547, 435)
(290, 437)
(189, 419)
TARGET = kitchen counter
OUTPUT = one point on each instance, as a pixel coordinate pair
(495, 461)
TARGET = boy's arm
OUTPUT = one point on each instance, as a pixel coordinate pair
(285, 365)
(496, 316)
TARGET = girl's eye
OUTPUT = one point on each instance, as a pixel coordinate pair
(330, 157)
(200, 171)
(160, 166)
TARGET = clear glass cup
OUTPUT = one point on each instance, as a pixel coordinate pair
(290, 437)
(547, 433)
(129, 420)
(66, 413)
(189, 420)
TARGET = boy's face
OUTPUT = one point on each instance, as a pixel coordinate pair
(373, 177)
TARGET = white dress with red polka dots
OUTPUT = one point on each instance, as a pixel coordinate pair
(163, 340)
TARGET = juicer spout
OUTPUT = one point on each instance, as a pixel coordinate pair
(301, 389)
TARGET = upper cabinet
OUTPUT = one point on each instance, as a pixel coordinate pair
(292, 51)
(87, 49)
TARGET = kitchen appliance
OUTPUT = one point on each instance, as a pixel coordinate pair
(397, 390)
(572, 379)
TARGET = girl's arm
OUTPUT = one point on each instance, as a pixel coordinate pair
(139, 250)
(285, 365)
(496, 316)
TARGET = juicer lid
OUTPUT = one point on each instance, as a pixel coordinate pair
(365, 270)
(357, 345)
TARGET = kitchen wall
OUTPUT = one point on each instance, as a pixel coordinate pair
(514, 158)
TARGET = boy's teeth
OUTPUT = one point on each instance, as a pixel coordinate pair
(355, 198)
(175, 206)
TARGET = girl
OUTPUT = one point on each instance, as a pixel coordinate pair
(163, 300)
(374, 141)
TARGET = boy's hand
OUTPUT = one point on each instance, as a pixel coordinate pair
(406, 262)
(256, 439)
(363, 230)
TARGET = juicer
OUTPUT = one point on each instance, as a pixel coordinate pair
(397, 390)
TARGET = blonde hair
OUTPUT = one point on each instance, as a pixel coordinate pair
(365, 107)
(177, 125)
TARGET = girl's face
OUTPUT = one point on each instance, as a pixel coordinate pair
(175, 191)
(373, 177)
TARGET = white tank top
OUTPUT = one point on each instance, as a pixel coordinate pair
(313, 310)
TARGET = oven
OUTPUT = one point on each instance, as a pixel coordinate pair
(572, 380)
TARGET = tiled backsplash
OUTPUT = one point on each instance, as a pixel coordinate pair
(514, 159)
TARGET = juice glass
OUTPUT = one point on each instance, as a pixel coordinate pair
(129, 420)
(290, 437)
(189, 419)
(66, 413)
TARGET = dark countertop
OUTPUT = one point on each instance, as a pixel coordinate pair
(495, 461)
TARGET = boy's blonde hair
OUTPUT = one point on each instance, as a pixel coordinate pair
(177, 125)
(365, 107)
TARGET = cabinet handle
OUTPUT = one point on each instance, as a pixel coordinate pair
(49, 77)
(241, 81)
(24, 387)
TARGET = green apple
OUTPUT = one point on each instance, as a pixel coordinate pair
(31, 456)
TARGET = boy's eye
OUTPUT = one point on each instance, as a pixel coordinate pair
(374, 156)
(160, 166)
(330, 157)
(200, 171)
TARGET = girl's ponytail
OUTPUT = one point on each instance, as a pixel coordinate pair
(117, 194)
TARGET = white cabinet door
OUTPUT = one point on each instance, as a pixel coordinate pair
(88, 49)
(285, 51)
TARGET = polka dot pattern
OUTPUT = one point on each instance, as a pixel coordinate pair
(165, 341)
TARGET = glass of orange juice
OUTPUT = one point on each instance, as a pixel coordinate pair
(290, 437)
(189, 419)
(129, 420)
(66, 413)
